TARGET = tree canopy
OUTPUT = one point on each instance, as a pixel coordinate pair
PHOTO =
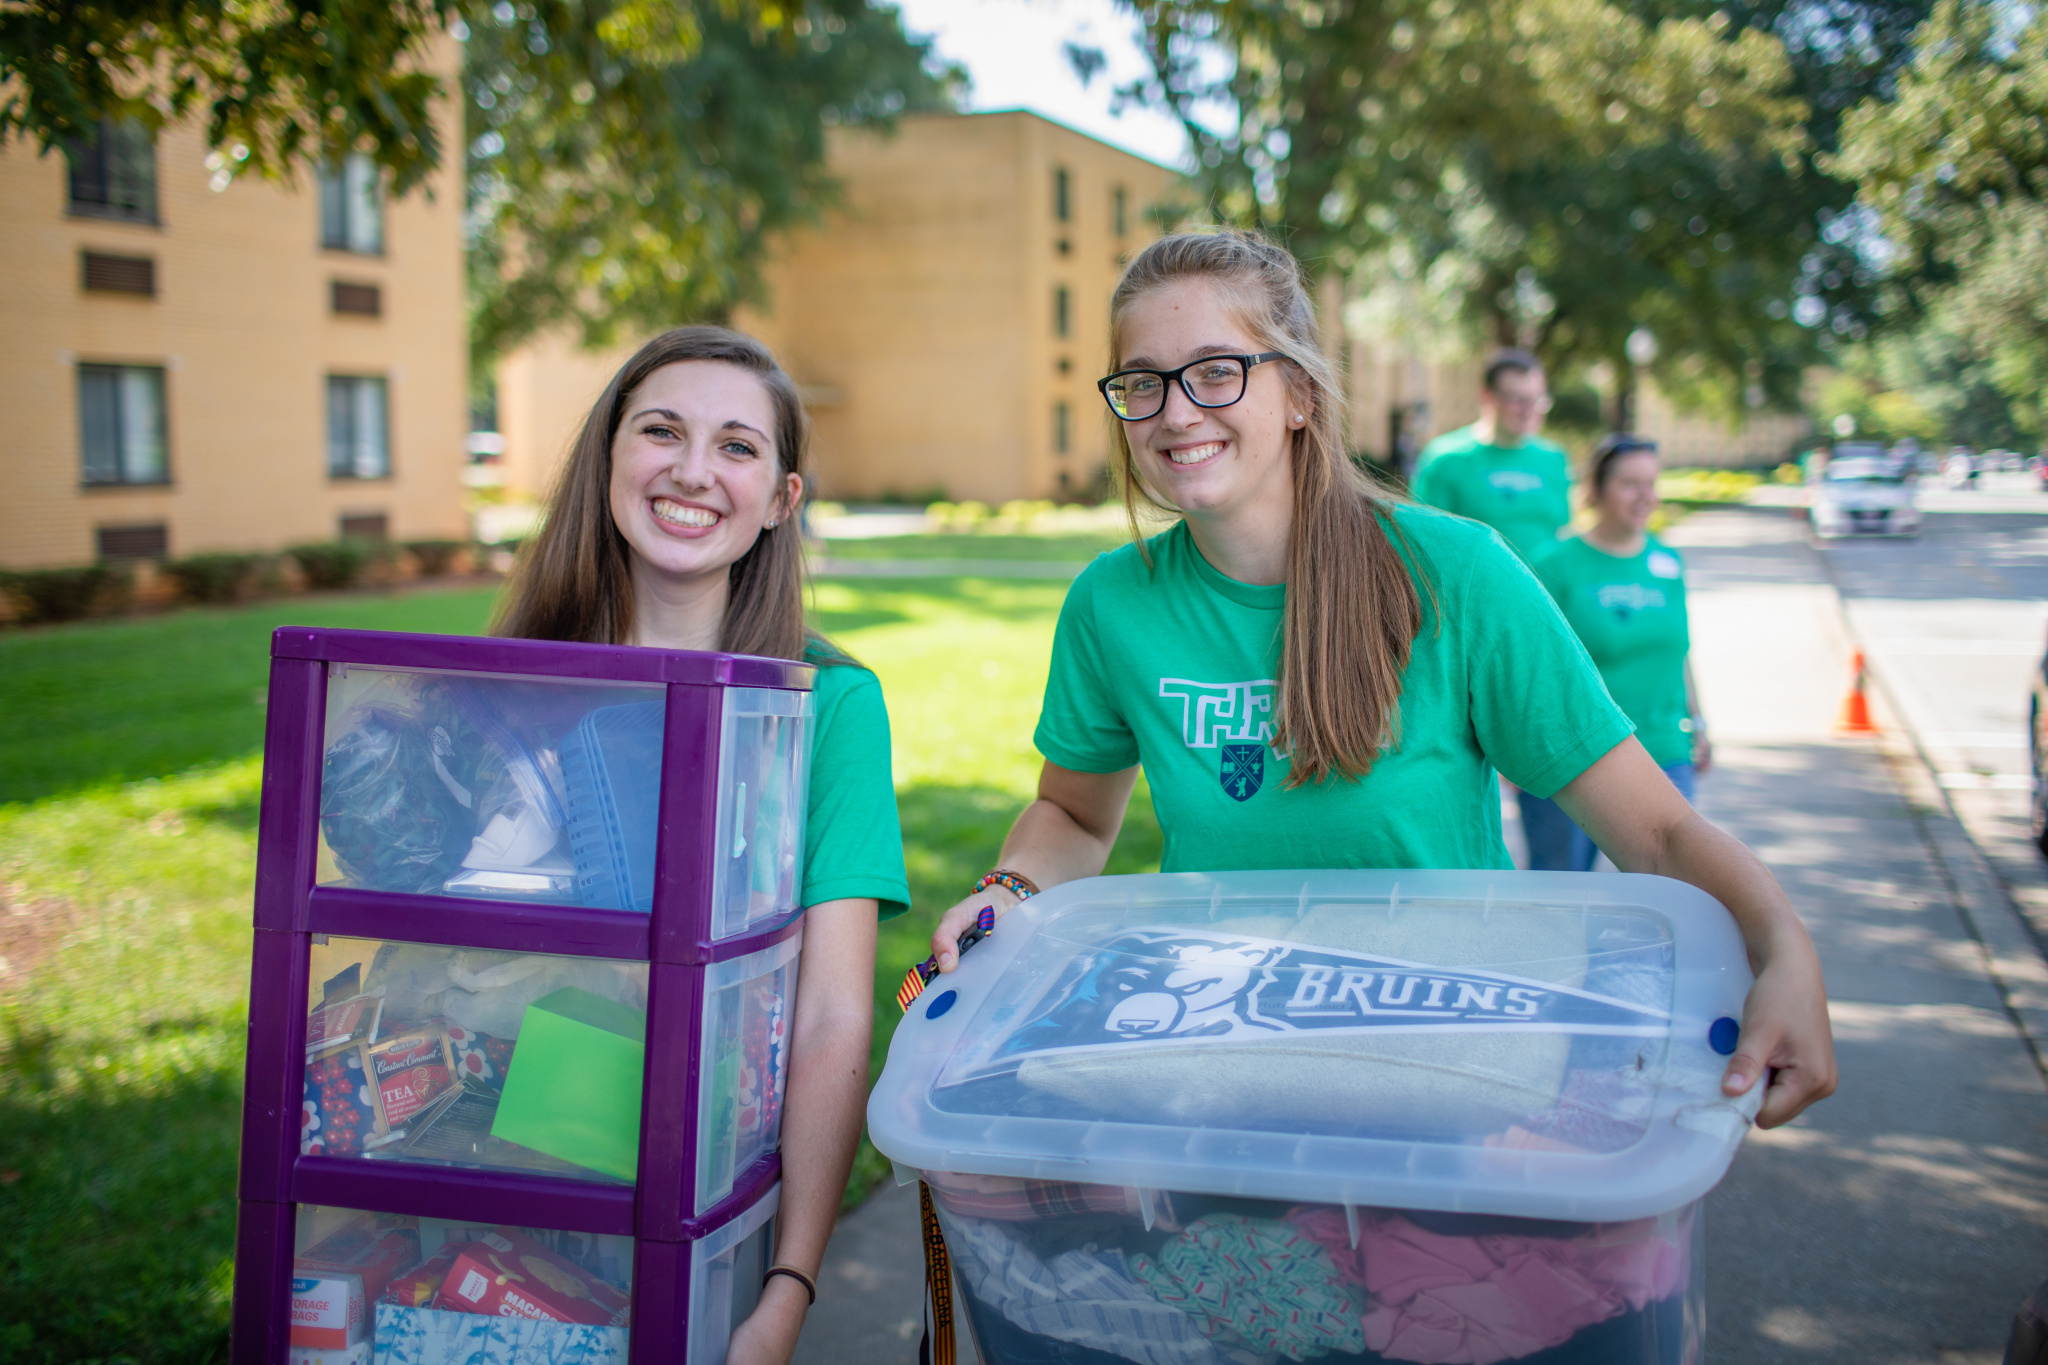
(1546, 173)
(630, 161)
(627, 161)
(1954, 171)
(277, 83)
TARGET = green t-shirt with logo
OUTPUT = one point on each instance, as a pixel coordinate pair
(1523, 492)
(1630, 615)
(1174, 667)
(853, 845)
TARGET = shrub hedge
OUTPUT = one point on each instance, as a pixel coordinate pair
(212, 578)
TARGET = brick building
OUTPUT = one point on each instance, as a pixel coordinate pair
(947, 322)
(192, 361)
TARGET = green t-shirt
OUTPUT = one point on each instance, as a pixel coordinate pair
(853, 845)
(1630, 615)
(1174, 668)
(1523, 492)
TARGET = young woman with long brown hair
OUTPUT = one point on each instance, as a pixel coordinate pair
(673, 526)
(1313, 676)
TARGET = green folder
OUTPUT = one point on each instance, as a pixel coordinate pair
(572, 1088)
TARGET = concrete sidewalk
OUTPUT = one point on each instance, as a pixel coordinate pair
(1904, 1219)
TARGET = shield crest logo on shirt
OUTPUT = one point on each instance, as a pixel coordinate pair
(1244, 768)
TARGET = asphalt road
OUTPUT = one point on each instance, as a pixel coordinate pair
(1954, 622)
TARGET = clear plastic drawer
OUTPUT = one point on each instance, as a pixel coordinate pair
(399, 1290)
(744, 1070)
(490, 786)
(764, 764)
(475, 1057)
(726, 1267)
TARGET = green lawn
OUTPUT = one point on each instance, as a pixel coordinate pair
(129, 752)
(1074, 548)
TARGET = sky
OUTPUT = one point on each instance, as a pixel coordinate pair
(1012, 49)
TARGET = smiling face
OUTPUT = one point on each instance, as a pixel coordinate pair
(1208, 460)
(1628, 496)
(695, 474)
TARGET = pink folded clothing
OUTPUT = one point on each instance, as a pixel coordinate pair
(1440, 1300)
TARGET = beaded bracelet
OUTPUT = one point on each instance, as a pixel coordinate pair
(810, 1285)
(1014, 881)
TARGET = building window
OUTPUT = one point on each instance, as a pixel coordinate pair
(102, 274)
(1062, 428)
(358, 429)
(1062, 197)
(1120, 211)
(352, 206)
(366, 526)
(361, 300)
(1062, 312)
(121, 424)
(150, 541)
(113, 172)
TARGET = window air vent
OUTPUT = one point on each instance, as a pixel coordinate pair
(361, 300)
(118, 274)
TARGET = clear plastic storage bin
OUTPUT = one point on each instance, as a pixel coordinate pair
(745, 1067)
(395, 1289)
(764, 763)
(1449, 1117)
(502, 788)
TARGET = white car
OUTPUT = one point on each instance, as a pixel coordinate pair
(1865, 496)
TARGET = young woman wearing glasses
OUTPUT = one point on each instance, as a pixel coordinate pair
(1311, 675)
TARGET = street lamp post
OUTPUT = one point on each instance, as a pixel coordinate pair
(1641, 350)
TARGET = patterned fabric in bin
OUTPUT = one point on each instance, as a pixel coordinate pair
(428, 1336)
(337, 1114)
(480, 1058)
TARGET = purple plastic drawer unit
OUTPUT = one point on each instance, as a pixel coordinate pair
(527, 936)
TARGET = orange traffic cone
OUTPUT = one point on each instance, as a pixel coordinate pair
(1856, 706)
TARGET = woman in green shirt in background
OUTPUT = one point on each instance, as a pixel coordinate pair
(1313, 676)
(674, 526)
(1623, 593)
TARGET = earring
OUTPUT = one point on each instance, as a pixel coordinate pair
(1297, 419)
(771, 523)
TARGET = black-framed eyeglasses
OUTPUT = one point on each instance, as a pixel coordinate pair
(1214, 381)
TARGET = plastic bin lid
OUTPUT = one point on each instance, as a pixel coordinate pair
(1543, 1045)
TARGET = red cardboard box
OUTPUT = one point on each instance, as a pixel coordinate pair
(506, 1275)
(416, 1287)
(334, 1283)
(406, 1074)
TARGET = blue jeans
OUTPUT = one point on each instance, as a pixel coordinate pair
(1558, 845)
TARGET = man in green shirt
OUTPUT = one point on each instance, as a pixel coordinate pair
(1500, 470)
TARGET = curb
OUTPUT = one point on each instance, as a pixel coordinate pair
(2008, 950)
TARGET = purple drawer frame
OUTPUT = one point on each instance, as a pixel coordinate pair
(675, 940)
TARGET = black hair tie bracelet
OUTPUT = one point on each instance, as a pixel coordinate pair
(810, 1285)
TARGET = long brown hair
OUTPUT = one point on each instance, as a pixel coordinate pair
(574, 580)
(1352, 607)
